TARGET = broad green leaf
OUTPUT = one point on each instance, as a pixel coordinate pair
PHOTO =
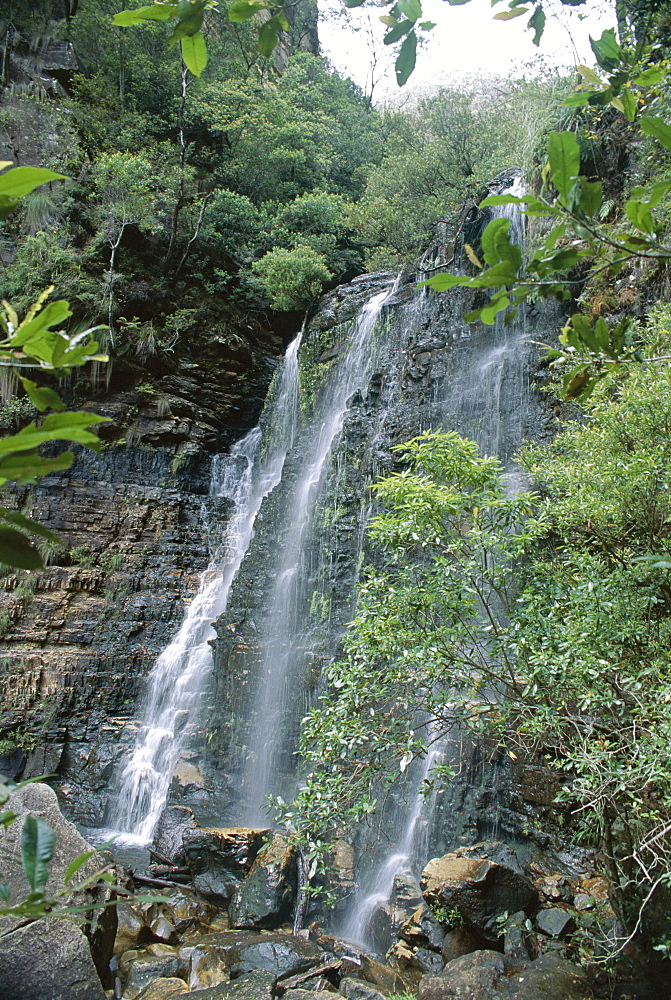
(443, 282)
(189, 25)
(156, 12)
(354, 3)
(66, 426)
(640, 217)
(427, 25)
(22, 180)
(508, 15)
(77, 864)
(53, 314)
(496, 245)
(400, 29)
(243, 10)
(579, 100)
(41, 396)
(27, 523)
(269, 36)
(589, 75)
(606, 49)
(25, 467)
(590, 196)
(488, 314)
(405, 63)
(412, 9)
(501, 199)
(629, 105)
(17, 550)
(564, 159)
(655, 74)
(653, 194)
(194, 53)
(37, 847)
(656, 127)
(537, 22)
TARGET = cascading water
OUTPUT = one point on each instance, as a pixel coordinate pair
(485, 397)
(273, 713)
(181, 674)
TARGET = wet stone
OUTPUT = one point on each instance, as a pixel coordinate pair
(354, 989)
(161, 989)
(555, 922)
(471, 977)
(257, 985)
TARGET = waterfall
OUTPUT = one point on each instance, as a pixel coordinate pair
(485, 396)
(274, 705)
(181, 674)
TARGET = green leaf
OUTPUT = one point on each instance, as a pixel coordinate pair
(606, 49)
(640, 217)
(487, 314)
(189, 25)
(405, 63)
(24, 467)
(53, 314)
(17, 550)
(411, 8)
(655, 74)
(443, 282)
(77, 864)
(156, 12)
(564, 158)
(578, 100)
(656, 127)
(496, 245)
(269, 33)
(537, 22)
(629, 105)
(588, 74)
(653, 194)
(508, 15)
(590, 196)
(37, 847)
(42, 397)
(21, 181)
(21, 521)
(243, 10)
(194, 53)
(400, 29)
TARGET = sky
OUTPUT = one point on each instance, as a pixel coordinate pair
(466, 41)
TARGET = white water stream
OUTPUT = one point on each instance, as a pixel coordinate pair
(181, 674)
(277, 690)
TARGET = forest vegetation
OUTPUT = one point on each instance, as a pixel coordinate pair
(537, 622)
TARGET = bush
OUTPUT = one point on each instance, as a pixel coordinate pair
(291, 278)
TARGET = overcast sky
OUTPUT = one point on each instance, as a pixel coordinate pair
(466, 40)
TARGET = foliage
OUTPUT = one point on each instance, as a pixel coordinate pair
(291, 278)
(540, 623)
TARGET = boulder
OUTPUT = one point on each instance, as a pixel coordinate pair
(460, 941)
(161, 989)
(555, 922)
(48, 960)
(267, 896)
(406, 892)
(422, 930)
(257, 985)
(354, 989)
(277, 953)
(549, 978)
(220, 859)
(519, 941)
(207, 967)
(132, 930)
(99, 925)
(182, 912)
(172, 825)
(137, 968)
(480, 888)
(380, 975)
(471, 977)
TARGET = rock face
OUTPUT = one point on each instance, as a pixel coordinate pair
(220, 859)
(267, 896)
(51, 959)
(478, 886)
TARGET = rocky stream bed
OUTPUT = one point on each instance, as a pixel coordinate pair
(482, 923)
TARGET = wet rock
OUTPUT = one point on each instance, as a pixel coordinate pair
(220, 859)
(207, 967)
(406, 892)
(161, 989)
(461, 941)
(137, 968)
(172, 825)
(183, 912)
(354, 989)
(311, 994)
(519, 942)
(48, 960)
(381, 975)
(267, 896)
(257, 985)
(276, 953)
(325, 976)
(132, 929)
(478, 886)
(422, 930)
(99, 926)
(548, 978)
(555, 922)
(471, 977)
